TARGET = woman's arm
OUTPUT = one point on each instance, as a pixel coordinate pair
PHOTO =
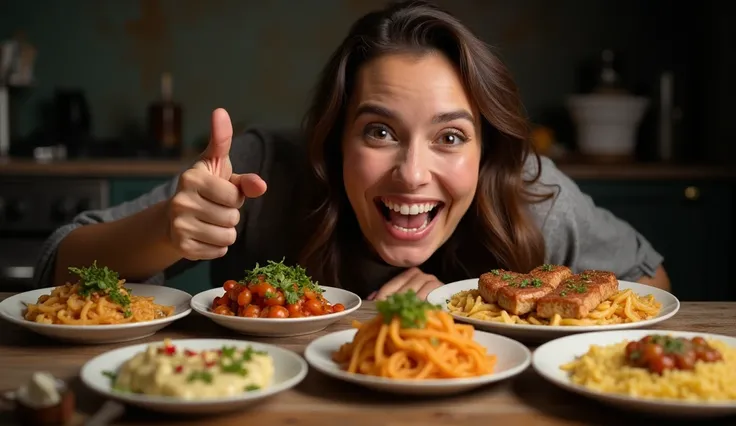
(136, 246)
(582, 235)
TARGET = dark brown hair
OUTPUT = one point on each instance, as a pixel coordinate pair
(497, 223)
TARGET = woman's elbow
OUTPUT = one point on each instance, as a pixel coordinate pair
(659, 280)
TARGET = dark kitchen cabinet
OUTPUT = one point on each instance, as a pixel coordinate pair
(689, 223)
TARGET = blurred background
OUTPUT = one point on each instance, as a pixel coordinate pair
(102, 100)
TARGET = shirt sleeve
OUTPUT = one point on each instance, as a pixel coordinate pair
(45, 265)
(582, 235)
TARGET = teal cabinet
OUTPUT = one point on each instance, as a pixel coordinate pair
(193, 280)
(689, 223)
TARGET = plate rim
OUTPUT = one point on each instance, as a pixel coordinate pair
(95, 327)
(561, 328)
(651, 402)
(310, 353)
(246, 320)
(158, 400)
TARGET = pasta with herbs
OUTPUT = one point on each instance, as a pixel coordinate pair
(411, 339)
(98, 298)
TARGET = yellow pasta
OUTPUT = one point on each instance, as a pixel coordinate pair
(623, 307)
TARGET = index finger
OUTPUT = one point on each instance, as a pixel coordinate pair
(221, 191)
(395, 284)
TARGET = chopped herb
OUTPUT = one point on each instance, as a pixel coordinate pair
(507, 277)
(495, 272)
(228, 351)
(586, 277)
(111, 375)
(102, 281)
(269, 295)
(524, 283)
(251, 388)
(536, 282)
(407, 307)
(563, 293)
(204, 376)
(578, 287)
(291, 280)
(249, 352)
(547, 267)
(233, 366)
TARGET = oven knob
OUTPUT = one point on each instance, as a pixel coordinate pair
(15, 210)
(64, 210)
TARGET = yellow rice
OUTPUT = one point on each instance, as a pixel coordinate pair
(604, 369)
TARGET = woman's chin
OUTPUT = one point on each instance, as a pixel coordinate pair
(405, 257)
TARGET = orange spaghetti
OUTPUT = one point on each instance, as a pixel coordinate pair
(430, 345)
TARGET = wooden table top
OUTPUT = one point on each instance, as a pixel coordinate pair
(526, 400)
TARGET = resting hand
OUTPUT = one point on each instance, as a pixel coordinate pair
(205, 210)
(411, 279)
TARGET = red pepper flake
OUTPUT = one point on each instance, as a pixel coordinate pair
(179, 368)
(168, 350)
(209, 364)
(189, 352)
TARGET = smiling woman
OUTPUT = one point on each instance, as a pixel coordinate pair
(414, 168)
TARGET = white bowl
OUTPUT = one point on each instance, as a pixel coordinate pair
(513, 359)
(13, 309)
(549, 357)
(289, 370)
(277, 327)
(543, 333)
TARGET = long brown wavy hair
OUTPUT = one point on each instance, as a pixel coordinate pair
(496, 228)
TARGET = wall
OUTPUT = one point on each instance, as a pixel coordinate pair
(259, 59)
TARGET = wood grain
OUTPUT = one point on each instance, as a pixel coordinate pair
(318, 401)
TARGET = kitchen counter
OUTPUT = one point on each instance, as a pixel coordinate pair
(153, 168)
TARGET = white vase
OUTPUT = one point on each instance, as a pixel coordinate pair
(607, 123)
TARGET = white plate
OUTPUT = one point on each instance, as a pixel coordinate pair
(289, 370)
(537, 333)
(13, 308)
(277, 327)
(549, 357)
(513, 358)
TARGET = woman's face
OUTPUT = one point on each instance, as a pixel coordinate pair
(411, 152)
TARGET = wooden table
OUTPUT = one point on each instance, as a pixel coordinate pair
(321, 401)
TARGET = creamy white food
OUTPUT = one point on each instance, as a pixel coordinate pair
(41, 391)
(167, 370)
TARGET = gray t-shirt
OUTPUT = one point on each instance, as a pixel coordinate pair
(577, 233)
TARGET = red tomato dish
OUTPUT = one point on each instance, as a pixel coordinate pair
(274, 291)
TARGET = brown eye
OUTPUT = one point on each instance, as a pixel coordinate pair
(451, 138)
(380, 133)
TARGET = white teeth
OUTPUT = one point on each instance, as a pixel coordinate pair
(410, 209)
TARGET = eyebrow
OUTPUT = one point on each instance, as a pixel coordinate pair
(444, 117)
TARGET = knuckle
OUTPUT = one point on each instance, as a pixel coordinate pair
(234, 217)
(189, 178)
(231, 236)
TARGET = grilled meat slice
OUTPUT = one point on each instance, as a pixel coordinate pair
(520, 296)
(576, 296)
(491, 282)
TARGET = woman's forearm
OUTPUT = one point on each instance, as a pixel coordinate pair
(137, 246)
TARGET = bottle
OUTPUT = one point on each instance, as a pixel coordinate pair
(165, 121)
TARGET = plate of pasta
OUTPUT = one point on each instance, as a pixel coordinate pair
(194, 376)
(414, 347)
(275, 300)
(551, 301)
(663, 372)
(97, 308)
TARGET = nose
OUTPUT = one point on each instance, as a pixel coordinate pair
(412, 168)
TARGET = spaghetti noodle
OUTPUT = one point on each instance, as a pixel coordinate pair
(414, 340)
(98, 298)
(623, 307)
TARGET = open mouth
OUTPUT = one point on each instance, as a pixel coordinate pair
(409, 217)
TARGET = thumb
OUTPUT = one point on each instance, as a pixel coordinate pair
(250, 184)
(221, 136)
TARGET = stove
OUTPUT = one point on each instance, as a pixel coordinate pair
(31, 208)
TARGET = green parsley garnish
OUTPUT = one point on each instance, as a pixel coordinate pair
(507, 277)
(204, 376)
(547, 267)
(407, 307)
(536, 282)
(495, 272)
(251, 388)
(291, 280)
(111, 375)
(102, 281)
(249, 352)
(228, 351)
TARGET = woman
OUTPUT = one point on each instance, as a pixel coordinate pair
(414, 169)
